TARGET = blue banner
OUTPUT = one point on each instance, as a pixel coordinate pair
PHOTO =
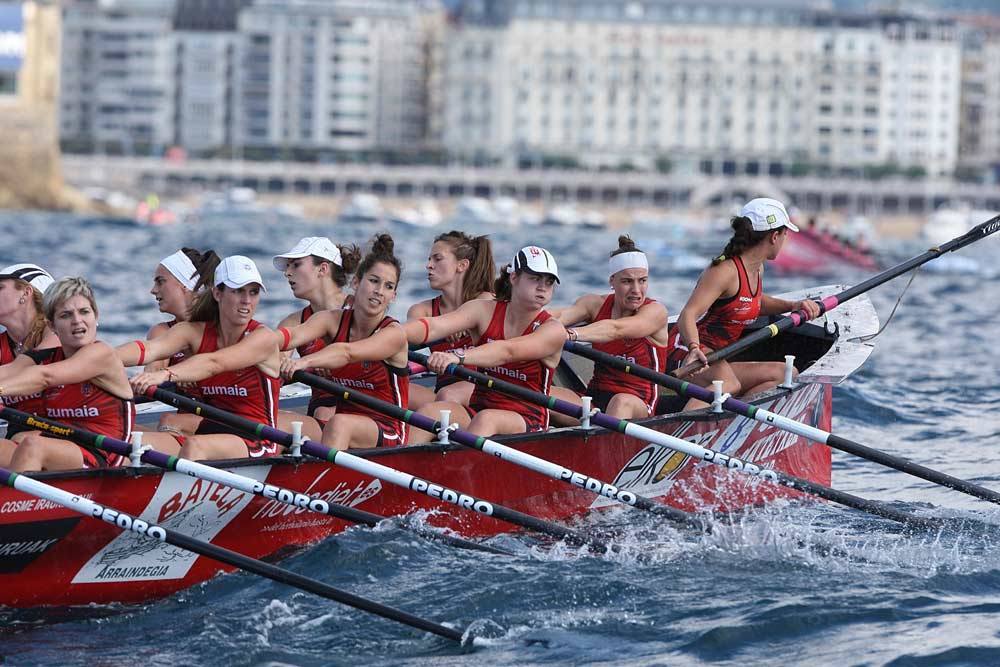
(12, 41)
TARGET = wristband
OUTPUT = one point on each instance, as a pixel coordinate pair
(573, 335)
(427, 330)
(694, 346)
(142, 353)
(287, 335)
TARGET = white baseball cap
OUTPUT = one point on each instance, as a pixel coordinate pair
(766, 214)
(534, 259)
(320, 246)
(236, 271)
(32, 274)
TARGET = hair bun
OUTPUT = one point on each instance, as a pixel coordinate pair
(383, 244)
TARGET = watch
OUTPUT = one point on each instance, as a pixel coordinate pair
(461, 356)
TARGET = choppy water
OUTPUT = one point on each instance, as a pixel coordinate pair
(791, 584)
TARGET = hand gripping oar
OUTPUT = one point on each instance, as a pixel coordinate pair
(980, 231)
(503, 452)
(125, 521)
(785, 424)
(649, 435)
(379, 471)
(225, 477)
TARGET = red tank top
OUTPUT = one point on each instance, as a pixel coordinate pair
(248, 392)
(533, 375)
(374, 378)
(311, 346)
(87, 406)
(32, 403)
(176, 357)
(462, 343)
(724, 321)
(639, 351)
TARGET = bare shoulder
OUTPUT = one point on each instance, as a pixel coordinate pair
(419, 309)
(157, 330)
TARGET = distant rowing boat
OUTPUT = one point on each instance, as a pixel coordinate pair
(50, 556)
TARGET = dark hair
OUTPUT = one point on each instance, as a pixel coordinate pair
(381, 251)
(205, 264)
(350, 256)
(502, 286)
(744, 237)
(205, 308)
(479, 251)
(625, 244)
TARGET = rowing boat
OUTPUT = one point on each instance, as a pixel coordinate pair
(50, 556)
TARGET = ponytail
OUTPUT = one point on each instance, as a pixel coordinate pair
(744, 237)
(350, 257)
(37, 329)
(625, 244)
(502, 286)
(205, 308)
(479, 251)
(205, 264)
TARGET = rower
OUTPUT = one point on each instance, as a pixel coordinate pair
(26, 329)
(317, 271)
(627, 324)
(517, 340)
(177, 280)
(364, 349)
(235, 365)
(82, 382)
(729, 296)
(461, 267)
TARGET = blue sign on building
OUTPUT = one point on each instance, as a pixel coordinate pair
(11, 36)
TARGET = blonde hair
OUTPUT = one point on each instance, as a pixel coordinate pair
(37, 330)
(64, 289)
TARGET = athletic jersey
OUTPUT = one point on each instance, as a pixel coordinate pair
(373, 378)
(87, 406)
(248, 392)
(463, 343)
(311, 346)
(533, 375)
(32, 403)
(639, 351)
(176, 357)
(724, 321)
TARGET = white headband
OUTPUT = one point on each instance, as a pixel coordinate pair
(627, 260)
(180, 267)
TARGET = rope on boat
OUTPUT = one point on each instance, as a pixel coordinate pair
(865, 339)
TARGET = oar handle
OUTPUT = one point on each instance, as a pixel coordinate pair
(978, 232)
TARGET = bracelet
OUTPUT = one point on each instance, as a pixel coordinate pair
(573, 334)
(142, 353)
(427, 330)
(171, 376)
(287, 335)
(694, 346)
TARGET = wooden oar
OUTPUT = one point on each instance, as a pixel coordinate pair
(504, 452)
(980, 231)
(385, 473)
(785, 424)
(225, 477)
(153, 531)
(691, 449)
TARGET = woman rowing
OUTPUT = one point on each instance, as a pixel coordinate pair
(517, 340)
(235, 364)
(317, 271)
(461, 268)
(82, 382)
(625, 323)
(26, 329)
(361, 348)
(176, 281)
(729, 296)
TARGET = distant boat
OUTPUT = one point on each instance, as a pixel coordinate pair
(362, 208)
(948, 222)
(567, 215)
(425, 214)
(475, 212)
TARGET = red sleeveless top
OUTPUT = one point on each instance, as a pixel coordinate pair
(724, 321)
(463, 343)
(247, 392)
(374, 378)
(32, 403)
(311, 346)
(639, 351)
(533, 375)
(87, 406)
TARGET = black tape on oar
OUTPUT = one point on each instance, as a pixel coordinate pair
(416, 484)
(978, 232)
(623, 426)
(96, 443)
(739, 407)
(237, 560)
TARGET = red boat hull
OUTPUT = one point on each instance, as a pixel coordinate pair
(51, 556)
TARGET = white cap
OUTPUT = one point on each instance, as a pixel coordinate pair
(535, 260)
(766, 214)
(320, 246)
(236, 271)
(32, 274)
